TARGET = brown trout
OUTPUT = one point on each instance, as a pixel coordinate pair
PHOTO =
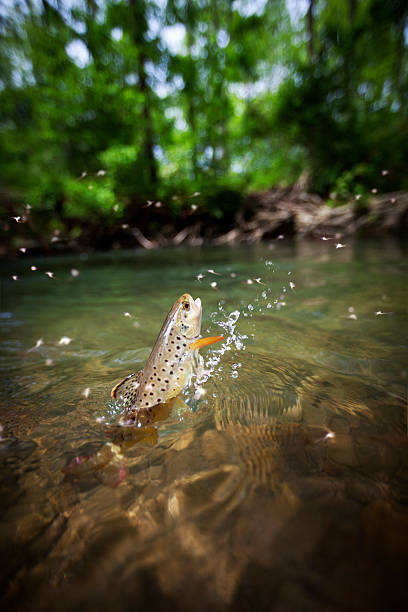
(170, 365)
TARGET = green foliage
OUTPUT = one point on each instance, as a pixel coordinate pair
(349, 184)
(244, 96)
(91, 199)
(120, 163)
(345, 104)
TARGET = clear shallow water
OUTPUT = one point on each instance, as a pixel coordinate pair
(280, 481)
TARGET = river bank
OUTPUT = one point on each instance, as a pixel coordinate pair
(259, 216)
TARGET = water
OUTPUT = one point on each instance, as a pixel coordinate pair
(277, 482)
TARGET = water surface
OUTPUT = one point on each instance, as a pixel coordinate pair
(279, 482)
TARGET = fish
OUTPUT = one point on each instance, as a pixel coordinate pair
(170, 365)
(149, 395)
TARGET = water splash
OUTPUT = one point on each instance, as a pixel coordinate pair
(237, 340)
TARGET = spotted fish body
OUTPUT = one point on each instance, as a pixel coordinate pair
(170, 365)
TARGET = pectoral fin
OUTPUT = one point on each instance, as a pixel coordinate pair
(197, 344)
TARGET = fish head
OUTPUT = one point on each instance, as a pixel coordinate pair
(188, 316)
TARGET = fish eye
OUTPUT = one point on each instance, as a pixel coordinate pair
(186, 306)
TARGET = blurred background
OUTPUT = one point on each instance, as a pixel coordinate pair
(108, 107)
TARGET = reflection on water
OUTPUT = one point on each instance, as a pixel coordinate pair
(278, 481)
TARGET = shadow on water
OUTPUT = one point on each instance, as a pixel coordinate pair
(278, 482)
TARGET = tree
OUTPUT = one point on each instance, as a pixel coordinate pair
(100, 109)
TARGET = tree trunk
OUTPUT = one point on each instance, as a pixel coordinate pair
(148, 135)
(137, 13)
(352, 10)
(310, 29)
(191, 112)
(399, 59)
